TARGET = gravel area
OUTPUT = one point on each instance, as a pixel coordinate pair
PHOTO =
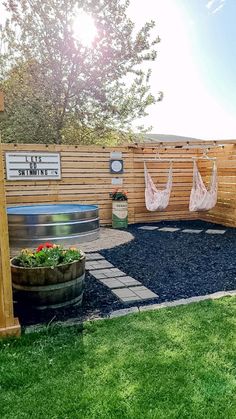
(174, 265)
(179, 265)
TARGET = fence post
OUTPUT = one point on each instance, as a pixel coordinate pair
(8, 324)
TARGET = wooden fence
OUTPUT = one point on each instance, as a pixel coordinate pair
(86, 179)
(225, 210)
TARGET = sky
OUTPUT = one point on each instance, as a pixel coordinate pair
(195, 67)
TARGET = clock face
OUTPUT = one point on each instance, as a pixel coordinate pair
(116, 166)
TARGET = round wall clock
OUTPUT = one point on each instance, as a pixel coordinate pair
(116, 166)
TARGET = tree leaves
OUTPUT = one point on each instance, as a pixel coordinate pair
(56, 85)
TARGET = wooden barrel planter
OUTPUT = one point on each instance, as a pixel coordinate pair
(49, 288)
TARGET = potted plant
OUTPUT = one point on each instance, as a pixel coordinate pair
(50, 277)
(119, 208)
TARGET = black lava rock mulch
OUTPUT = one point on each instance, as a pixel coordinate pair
(173, 265)
(179, 265)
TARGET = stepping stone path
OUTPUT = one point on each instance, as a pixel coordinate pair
(189, 230)
(186, 230)
(168, 229)
(107, 273)
(94, 256)
(98, 264)
(209, 231)
(126, 288)
(127, 295)
(120, 282)
(148, 228)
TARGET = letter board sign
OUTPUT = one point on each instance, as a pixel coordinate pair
(33, 166)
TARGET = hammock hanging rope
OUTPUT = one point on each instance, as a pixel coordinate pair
(156, 200)
(202, 199)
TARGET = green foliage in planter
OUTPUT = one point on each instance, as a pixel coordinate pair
(47, 255)
(118, 195)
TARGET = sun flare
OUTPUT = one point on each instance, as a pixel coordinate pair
(84, 28)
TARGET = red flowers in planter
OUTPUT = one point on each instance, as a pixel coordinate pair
(42, 246)
(48, 255)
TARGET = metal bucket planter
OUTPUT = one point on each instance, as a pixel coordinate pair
(119, 214)
(49, 288)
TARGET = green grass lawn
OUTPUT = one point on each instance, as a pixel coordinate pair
(173, 363)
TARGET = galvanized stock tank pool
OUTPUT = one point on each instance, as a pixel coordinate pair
(65, 224)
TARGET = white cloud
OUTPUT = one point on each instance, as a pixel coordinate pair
(215, 6)
(218, 8)
(210, 3)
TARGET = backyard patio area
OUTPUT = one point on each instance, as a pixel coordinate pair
(117, 210)
(150, 264)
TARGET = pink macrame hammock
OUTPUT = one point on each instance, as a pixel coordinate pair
(156, 200)
(201, 198)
